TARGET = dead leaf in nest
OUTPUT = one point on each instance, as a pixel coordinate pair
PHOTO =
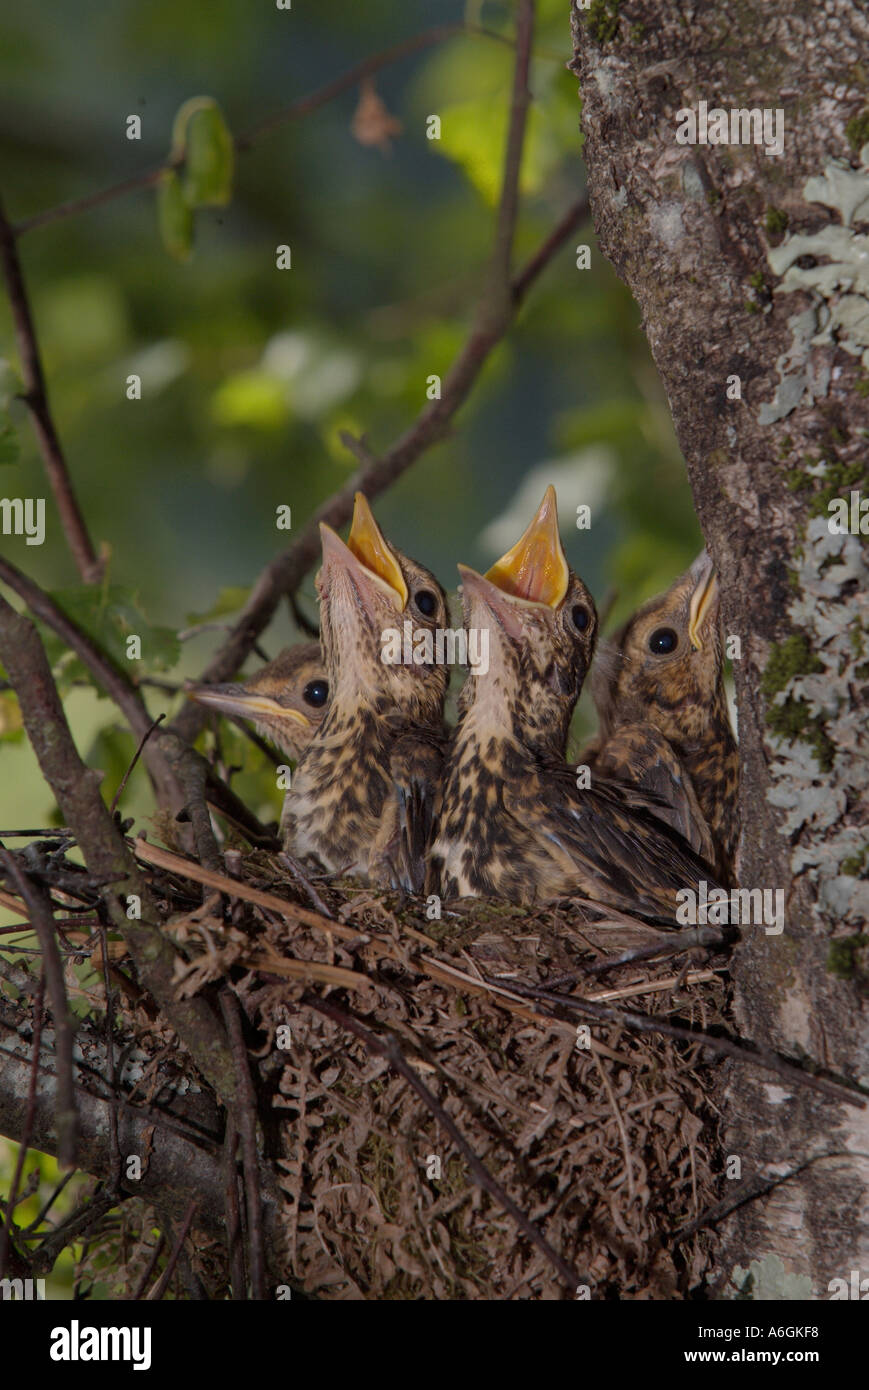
(373, 124)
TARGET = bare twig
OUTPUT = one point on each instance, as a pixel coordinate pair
(37, 1221)
(245, 1120)
(36, 399)
(388, 1047)
(163, 1283)
(747, 1053)
(115, 682)
(757, 1187)
(126, 777)
(293, 112)
(492, 308)
(573, 218)
(181, 777)
(139, 1291)
(39, 911)
(301, 877)
(105, 851)
(234, 1247)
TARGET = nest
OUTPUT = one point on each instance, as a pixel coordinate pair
(404, 1062)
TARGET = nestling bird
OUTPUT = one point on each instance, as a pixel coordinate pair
(285, 700)
(513, 822)
(664, 722)
(363, 793)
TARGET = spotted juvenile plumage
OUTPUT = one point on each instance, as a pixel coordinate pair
(285, 700)
(513, 822)
(362, 796)
(664, 722)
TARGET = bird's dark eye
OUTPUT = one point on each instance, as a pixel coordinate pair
(663, 641)
(316, 693)
(580, 617)
(426, 602)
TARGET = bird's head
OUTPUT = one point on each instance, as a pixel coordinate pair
(368, 592)
(665, 665)
(286, 700)
(542, 626)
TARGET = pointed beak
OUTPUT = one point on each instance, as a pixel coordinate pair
(535, 569)
(368, 544)
(704, 597)
(504, 607)
(339, 557)
(236, 699)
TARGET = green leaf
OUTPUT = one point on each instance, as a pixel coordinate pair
(174, 217)
(201, 141)
(252, 398)
(474, 136)
(9, 445)
(11, 724)
(229, 600)
(110, 615)
(182, 120)
(210, 159)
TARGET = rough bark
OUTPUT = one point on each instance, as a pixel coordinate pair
(180, 1161)
(704, 235)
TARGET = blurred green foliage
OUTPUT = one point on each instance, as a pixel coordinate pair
(249, 373)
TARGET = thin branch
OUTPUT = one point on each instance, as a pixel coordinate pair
(245, 1121)
(139, 1291)
(747, 1053)
(138, 753)
(181, 777)
(85, 1216)
(36, 399)
(114, 681)
(574, 217)
(493, 306)
(304, 106)
(234, 1247)
(33, 1229)
(388, 1048)
(105, 851)
(157, 1293)
(39, 911)
(758, 1187)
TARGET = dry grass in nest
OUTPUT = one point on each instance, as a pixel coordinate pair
(603, 1139)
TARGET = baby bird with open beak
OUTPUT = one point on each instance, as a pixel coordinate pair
(512, 822)
(363, 794)
(285, 700)
(664, 722)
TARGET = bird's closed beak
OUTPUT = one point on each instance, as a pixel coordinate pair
(367, 555)
(236, 699)
(704, 597)
(535, 569)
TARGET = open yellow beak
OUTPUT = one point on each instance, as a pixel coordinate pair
(367, 543)
(535, 569)
(703, 598)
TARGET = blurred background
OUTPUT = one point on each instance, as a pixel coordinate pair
(250, 373)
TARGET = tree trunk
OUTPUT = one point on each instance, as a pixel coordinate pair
(747, 268)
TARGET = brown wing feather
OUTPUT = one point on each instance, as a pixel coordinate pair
(639, 754)
(606, 843)
(416, 768)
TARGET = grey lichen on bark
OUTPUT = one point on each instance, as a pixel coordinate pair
(750, 265)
